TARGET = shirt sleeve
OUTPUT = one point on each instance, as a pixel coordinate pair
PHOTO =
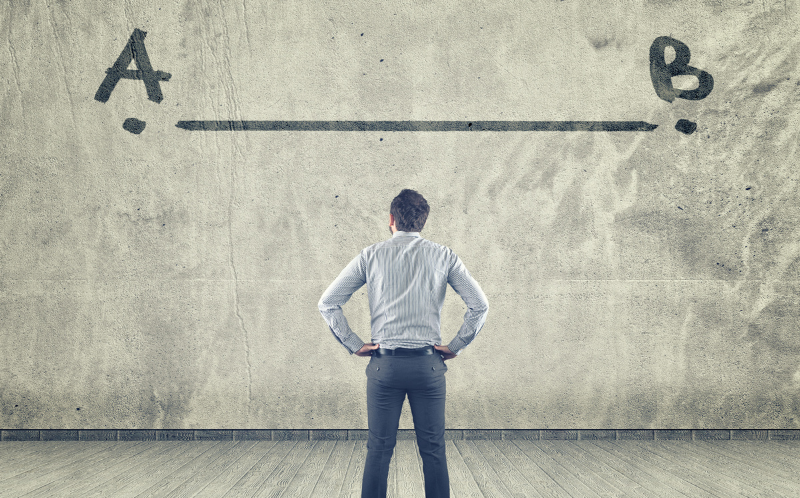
(477, 304)
(330, 304)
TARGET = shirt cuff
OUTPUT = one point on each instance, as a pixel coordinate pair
(353, 343)
(456, 345)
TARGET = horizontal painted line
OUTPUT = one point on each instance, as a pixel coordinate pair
(416, 126)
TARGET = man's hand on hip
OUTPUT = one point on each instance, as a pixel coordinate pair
(367, 349)
(446, 353)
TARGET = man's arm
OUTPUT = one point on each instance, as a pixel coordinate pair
(477, 304)
(330, 304)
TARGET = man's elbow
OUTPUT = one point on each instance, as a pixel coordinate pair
(324, 301)
(325, 307)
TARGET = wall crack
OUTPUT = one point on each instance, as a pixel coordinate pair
(237, 306)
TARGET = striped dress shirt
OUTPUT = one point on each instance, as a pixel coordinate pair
(406, 278)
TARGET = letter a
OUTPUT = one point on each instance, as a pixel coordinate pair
(134, 50)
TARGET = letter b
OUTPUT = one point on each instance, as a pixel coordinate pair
(661, 73)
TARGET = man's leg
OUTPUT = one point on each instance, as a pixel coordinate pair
(384, 404)
(427, 408)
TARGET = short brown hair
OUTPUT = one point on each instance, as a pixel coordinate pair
(410, 211)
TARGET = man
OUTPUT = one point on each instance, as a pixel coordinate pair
(406, 278)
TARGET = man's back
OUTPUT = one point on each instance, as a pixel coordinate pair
(406, 278)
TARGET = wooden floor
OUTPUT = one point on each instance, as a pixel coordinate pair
(515, 468)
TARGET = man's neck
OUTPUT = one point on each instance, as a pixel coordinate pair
(401, 233)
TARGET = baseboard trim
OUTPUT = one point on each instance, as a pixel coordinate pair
(361, 434)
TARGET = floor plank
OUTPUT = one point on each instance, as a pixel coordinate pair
(231, 453)
(764, 456)
(34, 455)
(229, 475)
(277, 482)
(541, 481)
(655, 477)
(409, 480)
(612, 483)
(309, 471)
(40, 453)
(565, 477)
(628, 472)
(745, 468)
(88, 469)
(51, 467)
(700, 471)
(791, 447)
(133, 479)
(351, 487)
(273, 453)
(579, 468)
(161, 468)
(662, 454)
(462, 482)
(178, 476)
(125, 454)
(22, 454)
(514, 480)
(488, 481)
(391, 482)
(335, 470)
(478, 468)
(787, 451)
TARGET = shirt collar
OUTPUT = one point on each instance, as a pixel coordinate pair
(400, 233)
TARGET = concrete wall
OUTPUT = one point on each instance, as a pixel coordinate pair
(169, 279)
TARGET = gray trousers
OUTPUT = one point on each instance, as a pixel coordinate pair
(389, 380)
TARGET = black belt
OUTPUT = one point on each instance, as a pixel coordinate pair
(404, 351)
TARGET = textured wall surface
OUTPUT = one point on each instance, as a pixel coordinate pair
(169, 279)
